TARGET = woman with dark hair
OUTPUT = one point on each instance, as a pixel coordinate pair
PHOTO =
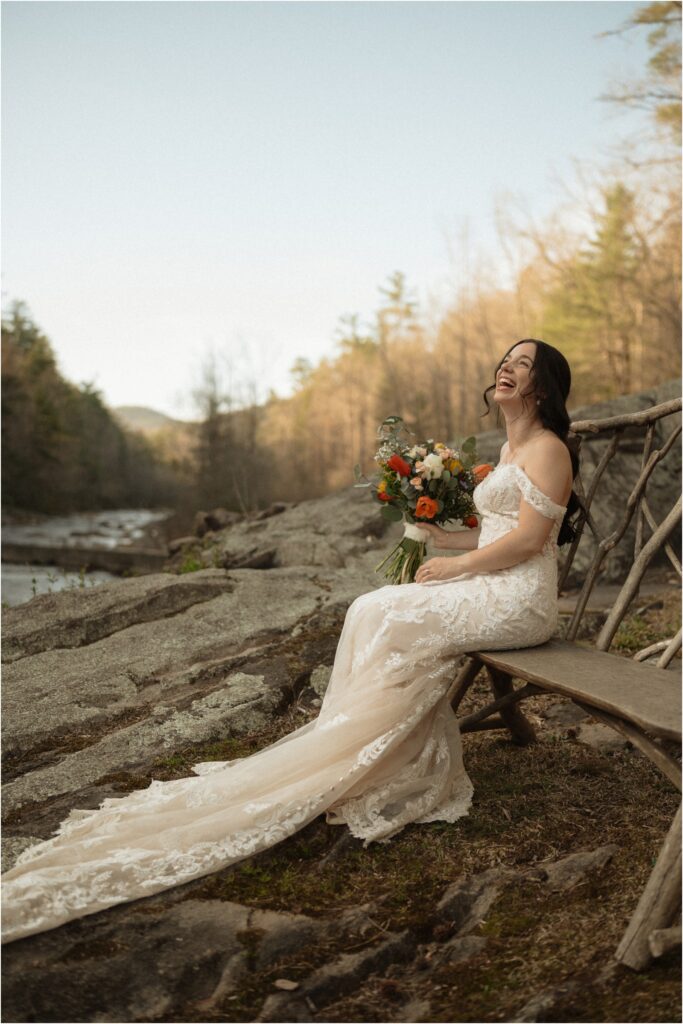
(531, 387)
(385, 749)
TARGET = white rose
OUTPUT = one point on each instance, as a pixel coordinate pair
(433, 466)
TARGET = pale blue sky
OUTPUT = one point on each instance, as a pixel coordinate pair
(185, 175)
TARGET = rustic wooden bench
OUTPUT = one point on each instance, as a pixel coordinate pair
(640, 700)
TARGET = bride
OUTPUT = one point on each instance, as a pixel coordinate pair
(385, 749)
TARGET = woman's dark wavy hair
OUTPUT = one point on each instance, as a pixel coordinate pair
(551, 379)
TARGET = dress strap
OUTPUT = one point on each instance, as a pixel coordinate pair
(535, 497)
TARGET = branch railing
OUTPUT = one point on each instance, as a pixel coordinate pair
(636, 506)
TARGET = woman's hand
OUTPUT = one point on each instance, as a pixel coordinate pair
(441, 569)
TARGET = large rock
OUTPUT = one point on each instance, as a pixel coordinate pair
(200, 951)
(77, 617)
(107, 681)
(622, 473)
(243, 703)
(330, 532)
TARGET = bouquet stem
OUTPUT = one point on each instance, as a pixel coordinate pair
(405, 559)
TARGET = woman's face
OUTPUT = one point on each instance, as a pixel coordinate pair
(514, 375)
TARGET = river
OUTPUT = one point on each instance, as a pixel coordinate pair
(124, 529)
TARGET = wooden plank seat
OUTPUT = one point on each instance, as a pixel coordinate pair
(639, 700)
(642, 695)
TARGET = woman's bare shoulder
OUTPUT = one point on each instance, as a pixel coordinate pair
(548, 444)
(547, 449)
(547, 457)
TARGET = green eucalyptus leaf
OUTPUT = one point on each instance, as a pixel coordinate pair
(392, 515)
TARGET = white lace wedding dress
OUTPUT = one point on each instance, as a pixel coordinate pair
(384, 751)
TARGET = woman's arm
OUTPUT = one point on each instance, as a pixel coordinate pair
(525, 541)
(516, 546)
(451, 540)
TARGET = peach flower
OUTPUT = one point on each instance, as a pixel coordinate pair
(482, 471)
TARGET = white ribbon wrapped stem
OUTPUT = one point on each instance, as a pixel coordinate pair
(413, 532)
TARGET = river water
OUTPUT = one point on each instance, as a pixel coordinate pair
(113, 528)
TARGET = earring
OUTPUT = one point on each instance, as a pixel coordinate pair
(538, 401)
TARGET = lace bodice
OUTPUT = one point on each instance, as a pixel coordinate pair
(384, 751)
(498, 498)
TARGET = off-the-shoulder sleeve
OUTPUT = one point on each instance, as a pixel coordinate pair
(537, 499)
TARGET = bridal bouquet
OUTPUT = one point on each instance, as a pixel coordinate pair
(427, 482)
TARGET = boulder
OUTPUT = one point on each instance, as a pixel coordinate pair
(99, 684)
(142, 961)
(330, 532)
(78, 617)
(663, 489)
(216, 519)
(179, 543)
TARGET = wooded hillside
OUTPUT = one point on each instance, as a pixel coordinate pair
(63, 450)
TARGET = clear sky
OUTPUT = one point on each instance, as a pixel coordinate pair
(186, 175)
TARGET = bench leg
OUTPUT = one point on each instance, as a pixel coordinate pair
(462, 682)
(658, 905)
(478, 718)
(521, 729)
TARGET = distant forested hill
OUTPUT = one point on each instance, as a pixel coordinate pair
(144, 419)
(62, 448)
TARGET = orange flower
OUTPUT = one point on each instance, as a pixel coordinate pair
(471, 521)
(426, 508)
(381, 491)
(481, 471)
